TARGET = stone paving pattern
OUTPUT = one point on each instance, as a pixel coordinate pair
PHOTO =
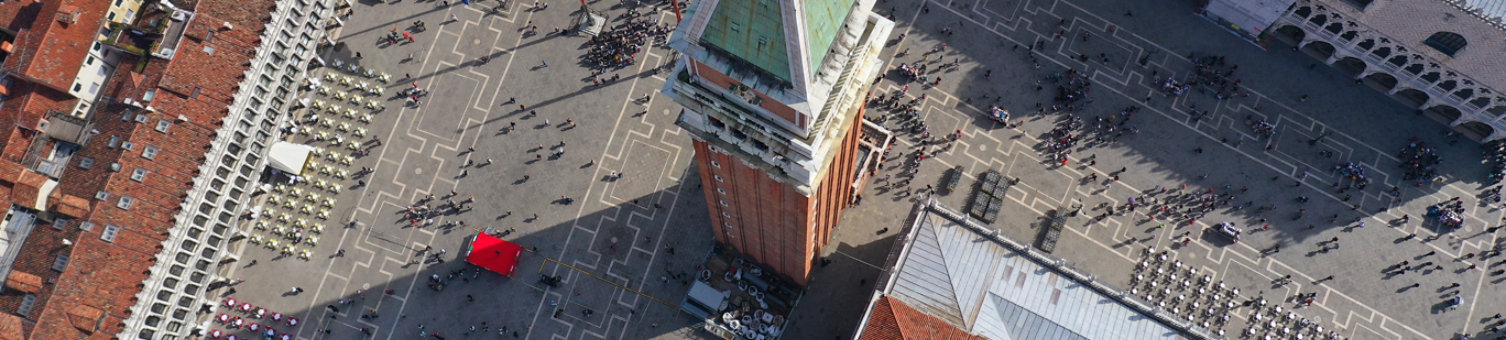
(611, 244)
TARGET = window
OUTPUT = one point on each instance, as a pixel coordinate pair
(714, 164)
(718, 178)
(1447, 42)
(27, 302)
(86, 226)
(94, 88)
(720, 191)
(128, 145)
(729, 225)
(162, 125)
(90, 59)
(60, 263)
(85, 163)
(109, 234)
(114, 142)
(102, 195)
(125, 202)
(138, 175)
(723, 203)
(727, 215)
(77, 87)
(150, 152)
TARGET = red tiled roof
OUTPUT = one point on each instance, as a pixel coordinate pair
(57, 41)
(68, 205)
(893, 320)
(23, 281)
(10, 171)
(27, 188)
(248, 16)
(12, 327)
(100, 272)
(85, 318)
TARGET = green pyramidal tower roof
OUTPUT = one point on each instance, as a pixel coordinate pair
(755, 31)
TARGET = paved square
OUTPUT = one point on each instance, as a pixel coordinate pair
(617, 243)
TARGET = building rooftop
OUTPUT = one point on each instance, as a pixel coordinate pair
(187, 96)
(958, 271)
(50, 48)
(1487, 9)
(783, 57)
(752, 31)
(41, 54)
(790, 127)
(892, 319)
(755, 301)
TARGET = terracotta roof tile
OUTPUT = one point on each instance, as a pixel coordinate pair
(85, 318)
(12, 327)
(892, 320)
(10, 171)
(881, 323)
(68, 205)
(27, 189)
(99, 271)
(59, 38)
(23, 281)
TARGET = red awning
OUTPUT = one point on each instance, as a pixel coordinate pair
(494, 254)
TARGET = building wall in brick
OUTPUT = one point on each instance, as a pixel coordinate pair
(772, 222)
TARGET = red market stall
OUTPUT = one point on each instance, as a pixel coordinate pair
(494, 254)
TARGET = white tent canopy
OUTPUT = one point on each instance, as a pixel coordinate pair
(289, 157)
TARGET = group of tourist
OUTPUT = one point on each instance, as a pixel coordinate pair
(1418, 161)
(1214, 74)
(619, 47)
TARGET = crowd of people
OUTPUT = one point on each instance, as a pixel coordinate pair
(1418, 161)
(1214, 74)
(422, 213)
(1071, 88)
(619, 47)
(1495, 155)
(1352, 175)
(1262, 127)
(1173, 87)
